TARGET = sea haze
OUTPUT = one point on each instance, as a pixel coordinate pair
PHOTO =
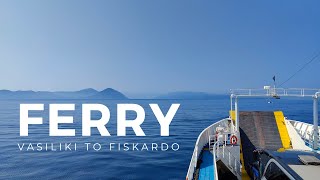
(88, 93)
(191, 118)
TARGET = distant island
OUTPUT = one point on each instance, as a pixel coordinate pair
(108, 93)
(89, 93)
(190, 95)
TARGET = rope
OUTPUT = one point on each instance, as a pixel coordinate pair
(304, 66)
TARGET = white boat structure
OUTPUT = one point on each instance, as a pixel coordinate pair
(258, 144)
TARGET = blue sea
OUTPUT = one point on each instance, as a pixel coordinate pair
(191, 118)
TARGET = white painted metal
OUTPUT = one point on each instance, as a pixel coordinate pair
(305, 131)
(231, 160)
(315, 122)
(296, 141)
(291, 92)
(231, 103)
(215, 161)
(236, 107)
(212, 139)
(231, 108)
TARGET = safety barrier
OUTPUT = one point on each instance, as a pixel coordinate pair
(305, 130)
(203, 140)
(221, 152)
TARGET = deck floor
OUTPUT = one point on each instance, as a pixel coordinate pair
(207, 166)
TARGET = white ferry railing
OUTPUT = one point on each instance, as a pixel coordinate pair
(203, 139)
(229, 159)
(220, 151)
(268, 91)
(298, 92)
(305, 130)
(215, 171)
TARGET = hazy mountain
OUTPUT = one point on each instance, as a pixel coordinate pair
(189, 95)
(109, 93)
(88, 93)
(77, 94)
(7, 94)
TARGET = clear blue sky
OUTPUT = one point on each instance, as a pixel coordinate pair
(157, 46)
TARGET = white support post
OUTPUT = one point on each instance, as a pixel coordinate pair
(214, 161)
(218, 156)
(231, 109)
(231, 103)
(236, 113)
(223, 151)
(209, 142)
(315, 123)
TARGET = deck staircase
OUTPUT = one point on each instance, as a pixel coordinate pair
(229, 156)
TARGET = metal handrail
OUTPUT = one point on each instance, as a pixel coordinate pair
(228, 158)
(200, 143)
(297, 92)
(267, 91)
(215, 171)
(305, 134)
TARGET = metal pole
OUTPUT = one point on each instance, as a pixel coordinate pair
(214, 161)
(315, 122)
(218, 149)
(231, 103)
(231, 109)
(223, 152)
(236, 113)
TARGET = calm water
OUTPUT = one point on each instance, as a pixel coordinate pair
(192, 117)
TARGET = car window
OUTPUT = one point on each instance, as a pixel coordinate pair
(274, 172)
